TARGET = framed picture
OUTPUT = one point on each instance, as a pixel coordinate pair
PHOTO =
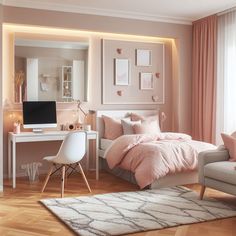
(122, 72)
(146, 81)
(143, 57)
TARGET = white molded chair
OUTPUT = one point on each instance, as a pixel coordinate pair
(72, 150)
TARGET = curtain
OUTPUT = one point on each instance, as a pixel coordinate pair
(204, 79)
(226, 75)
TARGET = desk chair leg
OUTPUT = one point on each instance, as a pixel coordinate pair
(202, 192)
(84, 177)
(63, 180)
(47, 178)
(66, 174)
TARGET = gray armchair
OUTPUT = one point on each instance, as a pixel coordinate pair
(215, 171)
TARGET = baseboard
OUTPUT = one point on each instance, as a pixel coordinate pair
(23, 174)
(41, 172)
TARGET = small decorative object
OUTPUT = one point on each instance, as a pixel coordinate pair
(121, 72)
(163, 118)
(32, 171)
(157, 75)
(44, 86)
(119, 50)
(155, 98)
(143, 57)
(62, 127)
(146, 81)
(16, 127)
(19, 79)
(87, 127)
(78, 126)
(71, 127)
(119, 92)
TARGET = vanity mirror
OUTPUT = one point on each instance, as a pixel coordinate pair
(48, 70)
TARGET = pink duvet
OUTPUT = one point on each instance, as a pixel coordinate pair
(150, 157)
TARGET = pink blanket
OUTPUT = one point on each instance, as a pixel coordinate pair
(150, 157)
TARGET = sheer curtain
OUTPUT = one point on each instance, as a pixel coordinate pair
(226, 75)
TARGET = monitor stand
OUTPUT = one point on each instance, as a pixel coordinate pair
(38, 130)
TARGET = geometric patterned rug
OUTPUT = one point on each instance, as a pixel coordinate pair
(130, 212)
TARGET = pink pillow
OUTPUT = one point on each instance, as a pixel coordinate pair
(113, 128)
(146, 128)
(230, 144)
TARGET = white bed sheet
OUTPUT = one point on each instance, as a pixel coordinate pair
(105, 143)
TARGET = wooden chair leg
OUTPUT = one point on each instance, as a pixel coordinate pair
(84, 177)
(202, 192)
(63, 180)
(47, 178)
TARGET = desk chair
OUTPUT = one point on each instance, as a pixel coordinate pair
(71, 152)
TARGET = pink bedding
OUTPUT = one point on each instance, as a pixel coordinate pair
(150, 157)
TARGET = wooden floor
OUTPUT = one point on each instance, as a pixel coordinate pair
(21, 214)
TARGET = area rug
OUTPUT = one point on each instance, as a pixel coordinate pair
(130, 212)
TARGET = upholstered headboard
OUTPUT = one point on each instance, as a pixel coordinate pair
(117, 114)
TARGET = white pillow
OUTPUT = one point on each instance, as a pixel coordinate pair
(127, 125)
(150, 127)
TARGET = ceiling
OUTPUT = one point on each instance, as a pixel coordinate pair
(175, 11)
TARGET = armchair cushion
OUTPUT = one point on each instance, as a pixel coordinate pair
(212, 156)
(230, 144)
(223, 171)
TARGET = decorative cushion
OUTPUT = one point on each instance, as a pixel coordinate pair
(150, 127)
(113, 128)
(230, 144)
(127, 125)
(233, 134)
(146, 119)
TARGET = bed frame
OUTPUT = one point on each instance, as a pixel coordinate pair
(167, 181)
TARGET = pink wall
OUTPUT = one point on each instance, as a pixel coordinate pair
(1, 122)
(180, 88)
(183, 33)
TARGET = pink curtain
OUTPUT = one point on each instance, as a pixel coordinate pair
(204, 79)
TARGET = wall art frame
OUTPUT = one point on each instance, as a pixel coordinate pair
(122, 71)
(146, 81)
(143, 57)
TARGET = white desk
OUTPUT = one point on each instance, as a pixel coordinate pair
(26, 137)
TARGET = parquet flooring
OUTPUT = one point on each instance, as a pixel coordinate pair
(22, 215)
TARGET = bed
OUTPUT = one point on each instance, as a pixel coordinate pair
(169, 180)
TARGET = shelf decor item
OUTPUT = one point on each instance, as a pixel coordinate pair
(143, 57)
(67, 83)
(146, 81)
(122, 72)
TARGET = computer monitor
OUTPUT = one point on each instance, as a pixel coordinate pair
(39, 114)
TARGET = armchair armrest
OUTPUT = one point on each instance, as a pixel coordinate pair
(211, 156)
